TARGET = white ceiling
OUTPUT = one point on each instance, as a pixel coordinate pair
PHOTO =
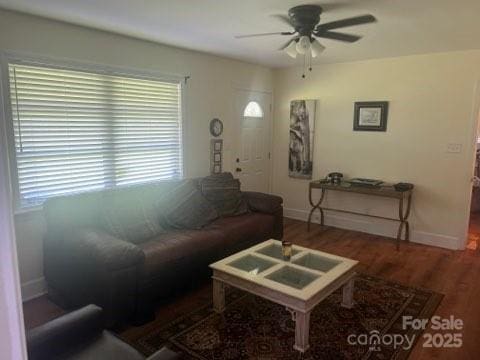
(404, 27)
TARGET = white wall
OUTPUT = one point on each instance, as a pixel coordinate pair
(431, 104)
(209, 94)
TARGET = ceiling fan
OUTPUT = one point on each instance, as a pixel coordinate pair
(305, 21)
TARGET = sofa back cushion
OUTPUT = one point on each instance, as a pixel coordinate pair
(65, 212)
(223, 191)
(87, 209)
(130, 216)
(184, 207)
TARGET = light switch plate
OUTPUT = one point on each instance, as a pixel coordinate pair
(454, 148)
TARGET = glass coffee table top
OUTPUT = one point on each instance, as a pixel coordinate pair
(316, 262)
(251, 264)
(307, 272)
(293, 277)
(275, 251)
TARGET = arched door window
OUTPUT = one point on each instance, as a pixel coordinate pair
(253, 109)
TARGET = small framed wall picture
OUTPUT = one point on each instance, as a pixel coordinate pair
(216, 148)
(370, 116)
(217, 145)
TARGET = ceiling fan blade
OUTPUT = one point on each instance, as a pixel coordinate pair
(283, 18)
(338, 36)
(284, 46)
(264, 34)
(358, 20)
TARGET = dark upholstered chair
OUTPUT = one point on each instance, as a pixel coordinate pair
(80, 335)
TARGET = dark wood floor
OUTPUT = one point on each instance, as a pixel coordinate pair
(456, 274)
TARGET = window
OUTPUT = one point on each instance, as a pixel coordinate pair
(78, 131)
(253, 109)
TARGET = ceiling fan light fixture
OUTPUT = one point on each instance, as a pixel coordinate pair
(303, 45)
(306, 26)
(317, 48)
(291, 49)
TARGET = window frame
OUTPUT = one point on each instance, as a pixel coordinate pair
(254, 104)
(7, 57)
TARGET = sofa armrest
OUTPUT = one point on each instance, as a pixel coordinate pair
(89, 266)
(164, 354)
(261, 202)
(64, 332)
(105, 250)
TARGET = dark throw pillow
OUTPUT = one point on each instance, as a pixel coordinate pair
(184, 207)
(130, 217)
(223, 191)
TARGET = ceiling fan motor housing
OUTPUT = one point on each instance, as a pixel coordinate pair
(304, 18)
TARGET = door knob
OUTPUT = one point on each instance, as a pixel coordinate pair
(238, 169)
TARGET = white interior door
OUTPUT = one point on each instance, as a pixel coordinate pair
(252, 161)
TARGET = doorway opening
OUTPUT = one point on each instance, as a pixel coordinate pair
(473, 241)
(474, 224)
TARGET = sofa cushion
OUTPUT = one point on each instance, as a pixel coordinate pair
(243, 231)
(176, 251)
(261, 202)
(129, 216)
(223, 191)
(85, 209)
(171, 252)
(184, 207)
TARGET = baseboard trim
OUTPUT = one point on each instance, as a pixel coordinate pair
(439, 240)
(377, 227)
(33, 289)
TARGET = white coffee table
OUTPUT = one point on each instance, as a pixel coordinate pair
(299, 284)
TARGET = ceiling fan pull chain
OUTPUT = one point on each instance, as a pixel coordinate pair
(310, 61)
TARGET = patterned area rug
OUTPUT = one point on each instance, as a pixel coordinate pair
(254, 328)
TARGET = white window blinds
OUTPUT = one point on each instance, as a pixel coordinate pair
(77, 131)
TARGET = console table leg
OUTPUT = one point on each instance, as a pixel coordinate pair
(302, 331)
(218, 296)
(403, 216)
(347, 298)
(407, 231)
(310, 218)
(399, 234)
(314, 207)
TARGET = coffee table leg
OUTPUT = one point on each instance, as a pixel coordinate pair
(347, 300)
(302, 331)
(218, 296)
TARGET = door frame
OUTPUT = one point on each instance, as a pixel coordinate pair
(236, 126)
(472, 149)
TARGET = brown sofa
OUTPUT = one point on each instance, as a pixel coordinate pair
(84, 264)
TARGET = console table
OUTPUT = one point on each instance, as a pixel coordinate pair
(386, 191)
